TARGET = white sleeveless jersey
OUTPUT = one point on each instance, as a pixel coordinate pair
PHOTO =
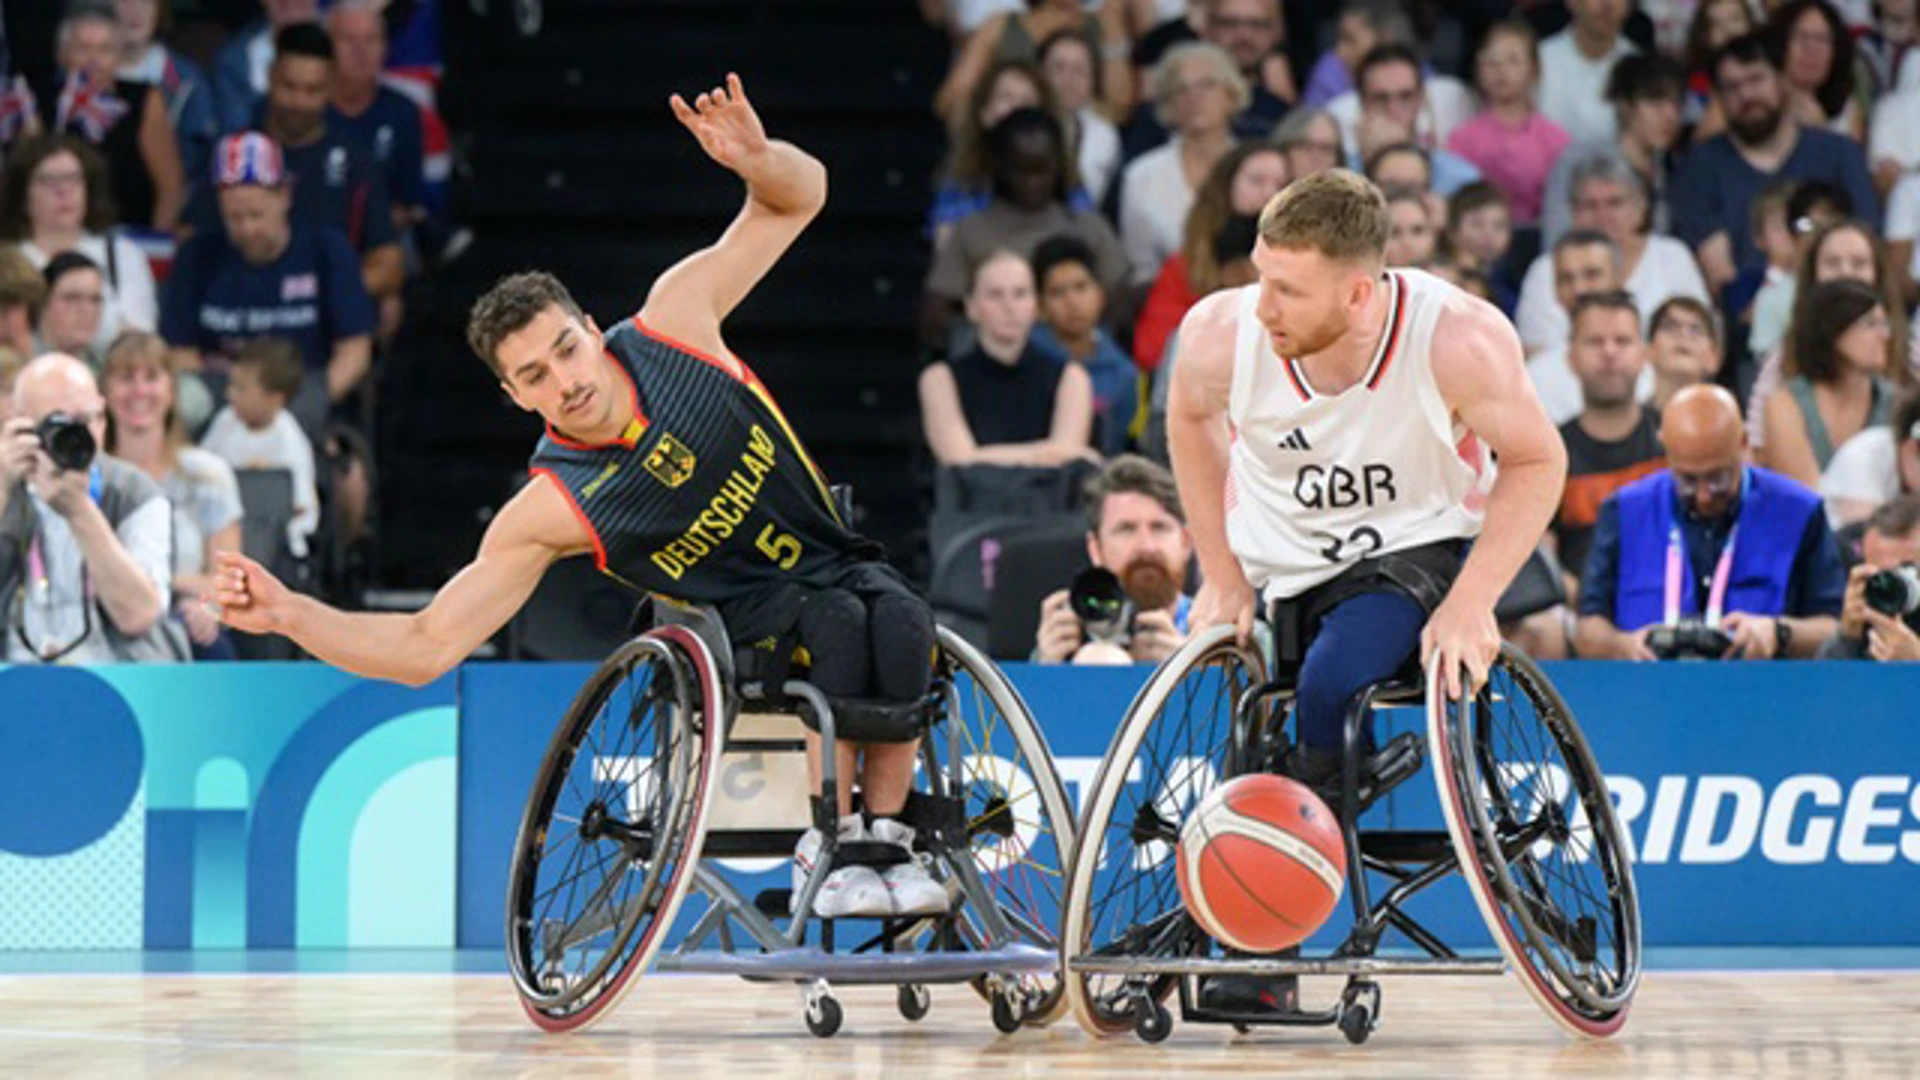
(1315, 482)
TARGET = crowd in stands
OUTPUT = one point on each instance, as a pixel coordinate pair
(1700, 216)
(202, 262)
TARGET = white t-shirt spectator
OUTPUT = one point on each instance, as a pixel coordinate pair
(1448, 105)
(1154, 200)
(1666, 270)
(131, 300)
(280, 445)
(1772, 311)
(1866, 469)
(1903, 217)
(205, 498)
(1573, 89)
(1098, 152)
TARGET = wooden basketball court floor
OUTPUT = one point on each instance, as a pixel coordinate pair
(1794, 1023)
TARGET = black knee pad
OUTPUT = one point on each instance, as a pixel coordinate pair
(833, 629)
(903, 639)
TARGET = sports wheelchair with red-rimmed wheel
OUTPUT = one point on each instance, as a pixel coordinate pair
(678, 752)
(1529, 825)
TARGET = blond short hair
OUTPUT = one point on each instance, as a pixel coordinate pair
(1338, 213)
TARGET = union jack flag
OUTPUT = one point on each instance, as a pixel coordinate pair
(16, 104)
(91, 110)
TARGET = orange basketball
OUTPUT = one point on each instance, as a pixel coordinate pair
(1261, 863)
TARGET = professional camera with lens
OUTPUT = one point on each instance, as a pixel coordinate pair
(1098, 600)
(1688, 639)
(1895, 593)
(67, 441)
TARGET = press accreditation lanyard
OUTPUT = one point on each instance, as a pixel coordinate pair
(40, 582)
(1679, 572)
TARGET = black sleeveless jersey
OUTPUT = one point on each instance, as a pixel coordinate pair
(708, 497)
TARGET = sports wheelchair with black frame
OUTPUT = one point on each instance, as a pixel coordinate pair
(678, 753)
(1529, 825)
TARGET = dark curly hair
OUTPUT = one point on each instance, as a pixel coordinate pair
(509, 306)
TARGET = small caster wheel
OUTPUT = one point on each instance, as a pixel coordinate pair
(1243, 1029)
(1007, 1015)
(914, 1001)
(1356, 1023)
(1154, 1023)
(1359, 1011)
(824, 1016)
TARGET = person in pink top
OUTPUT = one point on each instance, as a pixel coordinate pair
(1510, 141)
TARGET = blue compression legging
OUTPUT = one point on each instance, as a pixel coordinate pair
(1360, 642)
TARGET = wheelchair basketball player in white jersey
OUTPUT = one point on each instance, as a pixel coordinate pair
(1334, 430)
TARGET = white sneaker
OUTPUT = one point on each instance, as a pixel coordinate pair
(848, 891)
(914, 891)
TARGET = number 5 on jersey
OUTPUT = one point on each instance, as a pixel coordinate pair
(782, 548)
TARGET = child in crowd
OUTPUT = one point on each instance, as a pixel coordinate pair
(1072, 303)
(1785, 216)
(1479, 234)
(255, 430)
(1511, 142)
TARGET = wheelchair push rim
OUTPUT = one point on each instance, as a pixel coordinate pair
(1018, 820)
(624, 829)
(1192, 756)
(1554, 884)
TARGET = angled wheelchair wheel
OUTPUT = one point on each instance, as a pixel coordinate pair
(1019, 824)
(1539, 844)
(1179, 738)
(613, 828)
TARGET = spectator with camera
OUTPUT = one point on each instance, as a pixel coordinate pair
(1881, 613)
(1128, 608)
(1709, 558)
(85, 539)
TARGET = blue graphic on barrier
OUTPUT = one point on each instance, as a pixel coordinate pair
(74, 757)
(264, 805)
(1767, 804)
(288, 805)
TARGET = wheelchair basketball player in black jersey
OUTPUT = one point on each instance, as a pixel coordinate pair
(668, 461)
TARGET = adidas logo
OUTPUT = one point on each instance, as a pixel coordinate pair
(1296, 441)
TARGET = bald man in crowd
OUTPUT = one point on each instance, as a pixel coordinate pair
(1713, 540)
(90, 544)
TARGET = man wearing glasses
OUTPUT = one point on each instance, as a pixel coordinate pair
(85, 551)
(1710, 542)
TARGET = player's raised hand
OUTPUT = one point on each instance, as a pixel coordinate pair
(724, 122)
(246, 596)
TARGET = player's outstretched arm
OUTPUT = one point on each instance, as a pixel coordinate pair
(530, 532)
(786, 187)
